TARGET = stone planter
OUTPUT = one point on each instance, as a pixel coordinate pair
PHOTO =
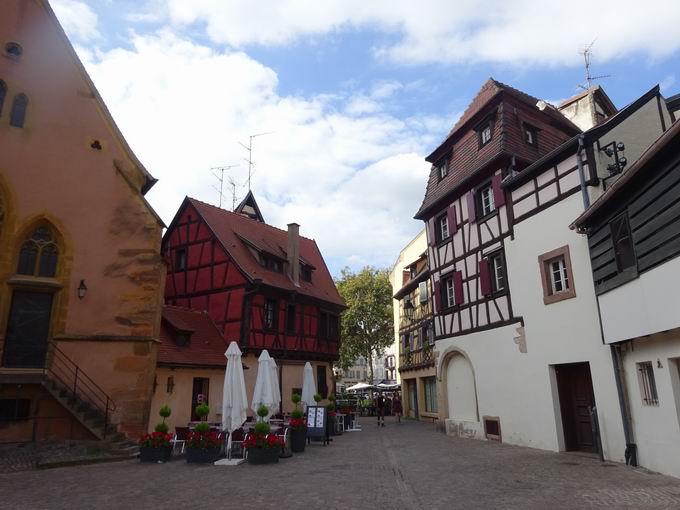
(263, 455)
(202, 456)
(298, 438)
(162, 454)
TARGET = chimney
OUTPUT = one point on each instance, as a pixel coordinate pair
(294, 252)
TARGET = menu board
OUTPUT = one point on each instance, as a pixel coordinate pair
(317, 419)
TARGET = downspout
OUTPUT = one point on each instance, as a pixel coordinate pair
(581, 173)
(631, 448)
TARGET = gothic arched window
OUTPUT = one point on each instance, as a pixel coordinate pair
(18, 114)
(3, 93)
(39, 254)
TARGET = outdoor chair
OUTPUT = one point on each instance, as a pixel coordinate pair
(181, 436)
(237, 438)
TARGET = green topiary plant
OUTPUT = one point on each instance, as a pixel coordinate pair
(263, 412)
(165, 412)
(297, 414)
(317, 398)
(331, 398)
(204, 426)
(296, 399)
(162, 427)
(262, 428)
(202, 410)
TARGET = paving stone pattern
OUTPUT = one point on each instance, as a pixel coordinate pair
(400, 466)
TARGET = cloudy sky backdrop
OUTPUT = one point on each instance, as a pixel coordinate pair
(355, 93)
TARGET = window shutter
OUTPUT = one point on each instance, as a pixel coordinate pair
(484, 277)
(431, 231)
(498, 193)
(451, 216)
(458, 287)
(437, 297)
(472, 215)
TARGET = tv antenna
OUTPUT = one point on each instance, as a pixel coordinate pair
(587, 53)
(249, 148)
(218, 173)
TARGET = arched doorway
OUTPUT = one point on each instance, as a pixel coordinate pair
(461, 390)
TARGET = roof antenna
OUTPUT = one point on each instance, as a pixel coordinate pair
(218, 173)
(249, 148)
(587, 53)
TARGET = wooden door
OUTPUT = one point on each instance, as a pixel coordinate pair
(575, 389)
(28, 329)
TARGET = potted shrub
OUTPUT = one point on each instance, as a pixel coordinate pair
(262, 447)
(298, 427)
(331, 410)
(203, 445)
(157, 446)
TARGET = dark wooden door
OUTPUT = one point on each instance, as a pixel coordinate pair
(576, 401)
(28, 327)
(199, 395)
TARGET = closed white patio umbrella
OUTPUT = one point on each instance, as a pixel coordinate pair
(264, 387)
(234, 399)
(275, 386)
(308, 386)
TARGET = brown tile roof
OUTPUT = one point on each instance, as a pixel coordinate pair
(206, 346)
(234, 231)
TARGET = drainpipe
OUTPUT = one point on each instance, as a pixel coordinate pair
(581, 173)
(631, 448)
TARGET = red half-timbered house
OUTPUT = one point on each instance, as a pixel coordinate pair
(264, 287)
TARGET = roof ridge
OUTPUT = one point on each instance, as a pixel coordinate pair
(245, 217)
(184, 309)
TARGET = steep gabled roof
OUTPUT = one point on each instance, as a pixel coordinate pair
(248, 207)
(598, 91)
(240, 234)
(206, 346)
(149, 180)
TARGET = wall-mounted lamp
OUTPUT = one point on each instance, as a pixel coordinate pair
(82, 289)
(409, 308)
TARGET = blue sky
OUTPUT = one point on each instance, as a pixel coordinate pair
(356, 93)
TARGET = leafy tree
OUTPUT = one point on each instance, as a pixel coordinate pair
(367, 324)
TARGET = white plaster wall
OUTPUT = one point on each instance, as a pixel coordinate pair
(567, 331)
(519, 387)
(656, 428)
(643, 306)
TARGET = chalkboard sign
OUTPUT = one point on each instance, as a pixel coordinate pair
(317, 422)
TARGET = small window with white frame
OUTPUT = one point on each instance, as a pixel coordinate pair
(556, 275)
(485, 134)
(559, 278)
(485, 200)
(442, 227)
(497, 272)
(449, 294)
(648, 392)
(442, 167)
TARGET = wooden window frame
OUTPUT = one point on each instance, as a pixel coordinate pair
(544, 262)
(533, 130)
(439, 234)
(181, 255)
(617, 258)
(290, 325)
(442, 167)
(445, 290)
(500, 256)
(265, 322)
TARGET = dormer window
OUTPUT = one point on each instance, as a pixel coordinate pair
(305, 273)
(442, 167)
(182, 338)
(531, 135)
(485, 130)
(272, 263)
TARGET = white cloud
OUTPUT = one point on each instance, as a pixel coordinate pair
(667, 83)
(352, 182)
(78, 19)
(548, 32)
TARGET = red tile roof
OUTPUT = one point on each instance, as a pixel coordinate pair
(206, 346)
(231, 229)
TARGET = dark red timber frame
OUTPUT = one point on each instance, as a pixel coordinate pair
(212, 281)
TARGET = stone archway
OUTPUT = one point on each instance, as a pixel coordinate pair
(459, 388)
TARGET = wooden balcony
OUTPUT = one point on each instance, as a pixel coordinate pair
(417, 359)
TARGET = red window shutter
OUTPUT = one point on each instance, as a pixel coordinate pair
(451, 216)
(498, 192)
(472, 214)
(437, 297)
(458, 287)
(485, 277)
(431, 231)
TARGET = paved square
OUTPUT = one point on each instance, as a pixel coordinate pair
(400, 466)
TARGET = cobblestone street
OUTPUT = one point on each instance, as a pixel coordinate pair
(407, 465)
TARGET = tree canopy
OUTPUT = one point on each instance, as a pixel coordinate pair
(367, 324)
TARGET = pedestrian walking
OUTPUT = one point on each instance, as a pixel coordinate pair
(396, 407)
(380, 409)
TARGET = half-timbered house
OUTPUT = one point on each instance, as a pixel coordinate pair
(633, 233)
(262, 286)
(515, 342)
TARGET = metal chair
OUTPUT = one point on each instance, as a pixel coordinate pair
(181, 436)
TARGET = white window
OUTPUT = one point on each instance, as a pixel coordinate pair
(443, 227)
(442, 169)
(422, 292)
(450, 297)
(558, 275)
(529, 134)
(486, 200)
(498, 272)
(485, 134)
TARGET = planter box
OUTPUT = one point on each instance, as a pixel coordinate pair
(163, 454)
(263, 455)
(298, 438)
(202, 456)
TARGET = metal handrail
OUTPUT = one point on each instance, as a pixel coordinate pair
(80, 385)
